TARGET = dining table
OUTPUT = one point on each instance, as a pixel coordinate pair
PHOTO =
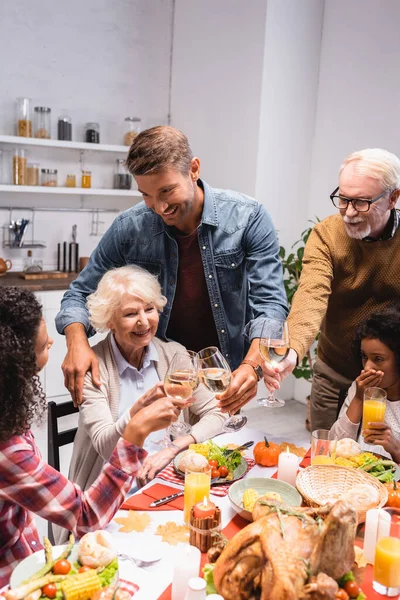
(154, 580)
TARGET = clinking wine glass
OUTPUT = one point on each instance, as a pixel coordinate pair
(180, 382)
(216, 376)
(274, 348)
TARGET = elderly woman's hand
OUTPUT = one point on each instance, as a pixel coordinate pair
(154, 463)
(158, 415)
(155, 393)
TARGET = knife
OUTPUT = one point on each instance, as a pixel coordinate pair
(165, 500)
(242, 447)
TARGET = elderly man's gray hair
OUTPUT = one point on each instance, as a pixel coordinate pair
(377, 163)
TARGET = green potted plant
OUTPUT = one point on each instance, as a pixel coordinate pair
(292, 264)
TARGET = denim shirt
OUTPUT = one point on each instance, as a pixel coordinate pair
(240, 254)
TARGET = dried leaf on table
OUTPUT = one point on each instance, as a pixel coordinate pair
(297, 450)
(173, 533)
(360, 559)
(135, 521)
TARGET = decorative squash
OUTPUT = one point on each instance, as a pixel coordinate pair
(266, 453)
(394, 494)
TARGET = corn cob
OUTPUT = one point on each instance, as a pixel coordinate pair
(203, 449)
(81, 586)
(250, 497)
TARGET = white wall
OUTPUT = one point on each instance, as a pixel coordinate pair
(99, 60)
(288, 105)
(216, 86)
(359, 89)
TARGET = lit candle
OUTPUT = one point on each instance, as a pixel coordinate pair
(377, 525)
(287, 467)
(204, 509)
(186, 565)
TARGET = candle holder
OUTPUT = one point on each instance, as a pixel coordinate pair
(204, 531)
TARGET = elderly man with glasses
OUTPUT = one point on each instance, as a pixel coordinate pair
(351, 268)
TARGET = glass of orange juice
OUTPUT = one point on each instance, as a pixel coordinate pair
(323, 447)
(387, 554)
(197, 486)
(374, 406)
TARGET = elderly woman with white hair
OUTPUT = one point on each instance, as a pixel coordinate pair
(133, 363)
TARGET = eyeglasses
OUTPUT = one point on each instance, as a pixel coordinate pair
(359, 204)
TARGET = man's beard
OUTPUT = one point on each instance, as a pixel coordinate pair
(363, 230)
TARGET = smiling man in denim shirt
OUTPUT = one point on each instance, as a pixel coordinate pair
(215, 253)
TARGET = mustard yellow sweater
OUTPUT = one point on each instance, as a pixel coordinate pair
(343, 281)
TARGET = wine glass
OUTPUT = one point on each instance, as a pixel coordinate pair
(180, 382)
(274, 348)
(216, 375)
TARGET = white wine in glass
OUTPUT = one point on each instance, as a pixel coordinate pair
(180, 382)
(216, 375)
(274, 348)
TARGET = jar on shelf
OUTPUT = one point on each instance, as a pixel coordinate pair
(42, 122)
(71, 181)
(86, 179)
(132, 128)
(49, 177)
(64, 128)
(92, 133)
(122, 179)
(32, 174)
(24, 118)
(19, 167)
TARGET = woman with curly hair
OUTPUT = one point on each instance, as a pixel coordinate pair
(377, 345)
(29, 485)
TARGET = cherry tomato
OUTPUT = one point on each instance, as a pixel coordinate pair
(352, 588)
(341, 595)
(215, 473)
(61, 567)
(223, 471)
(213, 463)
(49, 590)
(84, 568)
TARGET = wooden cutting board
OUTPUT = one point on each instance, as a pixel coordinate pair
(45, 275)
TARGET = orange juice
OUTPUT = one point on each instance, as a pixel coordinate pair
(387, 562)
(320, 459)
(197, 485)
(373, 411)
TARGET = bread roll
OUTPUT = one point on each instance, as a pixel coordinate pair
(362, 496)
(191, 461)
(347, 448)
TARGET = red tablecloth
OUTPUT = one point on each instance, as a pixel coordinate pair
(237, 523)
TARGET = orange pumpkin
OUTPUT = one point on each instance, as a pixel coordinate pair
(394, 494)
(266, 453)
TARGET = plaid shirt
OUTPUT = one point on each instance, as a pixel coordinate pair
(28, 484)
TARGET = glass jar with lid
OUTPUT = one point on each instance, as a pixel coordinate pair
(32, 174)
(42, 122)
(19, 167)
(49, 177)
(132, 128)
(64, 128)
(24, 118)
(86, 179)
(92, 133)
(122, 178)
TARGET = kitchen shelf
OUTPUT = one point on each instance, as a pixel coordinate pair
(76, 191)
(16, 140)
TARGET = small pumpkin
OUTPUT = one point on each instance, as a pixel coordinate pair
(266, 453)
(394, 494)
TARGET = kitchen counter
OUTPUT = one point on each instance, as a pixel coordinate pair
(37, 285)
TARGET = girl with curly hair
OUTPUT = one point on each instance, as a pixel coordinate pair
(29, 485)
(377, 346)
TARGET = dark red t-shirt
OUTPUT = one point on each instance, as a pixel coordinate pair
(191, 322)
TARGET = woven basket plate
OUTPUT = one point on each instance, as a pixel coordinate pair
(320, 484)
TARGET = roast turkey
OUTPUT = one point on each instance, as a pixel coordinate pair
(288, 553)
